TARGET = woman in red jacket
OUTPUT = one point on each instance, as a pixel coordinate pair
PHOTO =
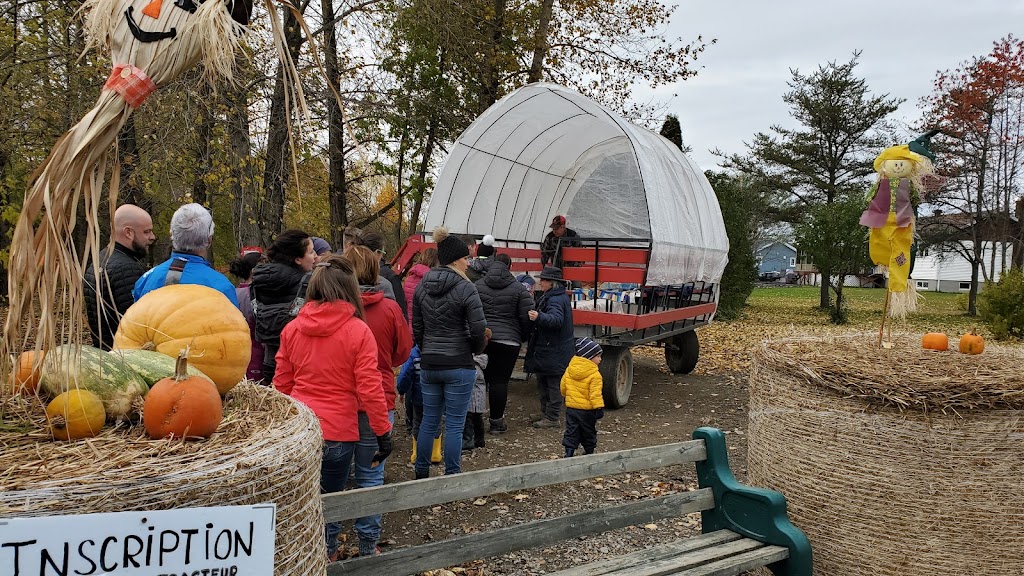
(426, 260)
(394, 342)
(328, 361)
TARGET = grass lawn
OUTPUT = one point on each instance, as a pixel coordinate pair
(793, 311)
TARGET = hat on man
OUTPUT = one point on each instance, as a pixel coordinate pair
(246, 250)
(587, 348)
(558, 222)
(320, 245)
(551, 273)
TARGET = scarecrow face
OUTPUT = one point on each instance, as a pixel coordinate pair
(155, 20)
(897, 168)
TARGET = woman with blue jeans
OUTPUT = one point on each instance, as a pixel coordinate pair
(328, 361)
(448, 326)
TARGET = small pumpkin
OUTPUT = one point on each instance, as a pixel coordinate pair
(191, 316)
(27, 372)
(935, 341)
(75, 414)
(182, 406)
(972, 343)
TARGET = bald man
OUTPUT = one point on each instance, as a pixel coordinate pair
(120, 266)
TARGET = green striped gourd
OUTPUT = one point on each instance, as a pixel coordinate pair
(153, 366)
(119, 387)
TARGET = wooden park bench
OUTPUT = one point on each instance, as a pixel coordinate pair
(743, 527)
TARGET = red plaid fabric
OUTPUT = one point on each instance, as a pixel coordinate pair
(131, 83)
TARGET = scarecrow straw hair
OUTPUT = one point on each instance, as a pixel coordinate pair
(46, 269)
(267, 449)
(894, 462)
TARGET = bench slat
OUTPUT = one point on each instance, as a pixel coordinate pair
(740, 563)
(693, 561)
(654, 553)
(511, 538)
(350, 504)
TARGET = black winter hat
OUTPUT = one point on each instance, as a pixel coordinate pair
(551, 273)
(451, 249)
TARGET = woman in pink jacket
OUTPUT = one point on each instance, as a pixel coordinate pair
(427, 260)
(328, 361)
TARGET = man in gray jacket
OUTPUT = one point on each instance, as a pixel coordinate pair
(119, 266)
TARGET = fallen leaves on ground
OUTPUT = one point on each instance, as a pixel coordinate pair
(773, 313)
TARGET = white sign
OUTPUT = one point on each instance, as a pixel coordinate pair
(215, 541)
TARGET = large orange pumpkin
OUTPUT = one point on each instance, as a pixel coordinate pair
(935, 341)
(182, 406)
(27, 372)
(972, 343)
(199, 318)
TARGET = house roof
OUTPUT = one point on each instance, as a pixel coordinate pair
(764, 247)
(995, 227)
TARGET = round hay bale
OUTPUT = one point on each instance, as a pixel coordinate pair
(267, 449)
(894, 462)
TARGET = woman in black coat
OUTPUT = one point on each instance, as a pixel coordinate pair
(275, 291)
(552, 345)
(507, 305)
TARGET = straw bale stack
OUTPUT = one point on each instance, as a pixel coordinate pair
(267, 449)
(894, 462)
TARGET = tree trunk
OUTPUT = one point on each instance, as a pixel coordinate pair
(337, 188)
(823, 294)
(421, 181)
(128, 157)
(243, 179)
(276, 168)
(490, 81)
(204, 133)
(399, 180)
(540, 41)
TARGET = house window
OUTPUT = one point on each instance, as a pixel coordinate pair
(923, 284)
(965, 286)
(792, 261)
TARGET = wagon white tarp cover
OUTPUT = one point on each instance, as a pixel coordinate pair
(545, 150)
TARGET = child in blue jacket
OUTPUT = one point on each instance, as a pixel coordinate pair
(409, 384)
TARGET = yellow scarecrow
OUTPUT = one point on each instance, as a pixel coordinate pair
(892, 205)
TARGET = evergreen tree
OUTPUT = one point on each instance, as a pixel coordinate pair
(842, 129)
(738, 213)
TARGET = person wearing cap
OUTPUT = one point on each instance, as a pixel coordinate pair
(583, 389)
(484, 252)
(321, 247)
(448, 326)
(551, 346)
(278, 292)
(242, 268)
(549, 253)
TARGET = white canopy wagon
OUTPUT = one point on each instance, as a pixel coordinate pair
(652, 244)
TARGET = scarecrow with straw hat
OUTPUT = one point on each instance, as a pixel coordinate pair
(891, 214)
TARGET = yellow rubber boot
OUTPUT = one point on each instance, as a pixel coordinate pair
(412, 459)
(435, 455)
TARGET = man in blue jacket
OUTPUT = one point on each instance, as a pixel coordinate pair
(191, 238)
(551, 346)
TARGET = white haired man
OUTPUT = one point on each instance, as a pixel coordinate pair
(120, 266)
(191, 237)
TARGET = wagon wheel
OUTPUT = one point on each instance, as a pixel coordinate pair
(682, 352)
(617, 372)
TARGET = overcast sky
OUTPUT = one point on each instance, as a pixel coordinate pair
(738, 92)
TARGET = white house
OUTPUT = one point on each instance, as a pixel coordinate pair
(939, 269)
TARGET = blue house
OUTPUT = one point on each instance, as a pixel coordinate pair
(776, 256)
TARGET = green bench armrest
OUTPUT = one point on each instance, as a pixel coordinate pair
(752, 512)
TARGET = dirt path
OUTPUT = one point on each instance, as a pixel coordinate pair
(663, 408)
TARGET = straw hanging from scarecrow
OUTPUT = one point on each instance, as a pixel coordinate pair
(891, 215)
(151, 42)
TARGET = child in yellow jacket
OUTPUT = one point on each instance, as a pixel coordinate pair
(582, 387)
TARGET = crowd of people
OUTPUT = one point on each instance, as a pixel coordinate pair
(329, 329)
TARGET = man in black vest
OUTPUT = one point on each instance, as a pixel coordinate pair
(120, 266)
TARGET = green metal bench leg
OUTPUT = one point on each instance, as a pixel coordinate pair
(752, 512)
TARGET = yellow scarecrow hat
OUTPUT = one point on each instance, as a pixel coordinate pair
(900, 152)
